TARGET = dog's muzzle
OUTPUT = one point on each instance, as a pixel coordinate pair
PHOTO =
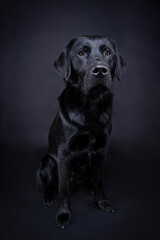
(96, 74)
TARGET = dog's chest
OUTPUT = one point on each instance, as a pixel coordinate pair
(90, 119)
(82, 146)
(86, 142)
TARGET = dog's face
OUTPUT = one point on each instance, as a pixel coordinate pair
(90, 61)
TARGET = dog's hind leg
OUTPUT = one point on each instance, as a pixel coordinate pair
(47, 179)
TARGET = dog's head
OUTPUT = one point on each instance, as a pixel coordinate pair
(88, 61)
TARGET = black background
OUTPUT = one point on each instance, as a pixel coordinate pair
(33, 34)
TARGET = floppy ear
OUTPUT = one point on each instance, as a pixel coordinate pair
(120, 65)
(120, 62)
(62, 63)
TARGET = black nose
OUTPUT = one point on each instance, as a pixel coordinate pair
(99, 70)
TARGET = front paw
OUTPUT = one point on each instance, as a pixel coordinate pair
(49, 200)
(63, 218)
(105, 205)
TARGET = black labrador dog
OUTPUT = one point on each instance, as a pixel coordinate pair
(79, 133)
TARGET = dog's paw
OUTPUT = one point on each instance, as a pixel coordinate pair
(49, 200)
(63, 218)
(105, 205)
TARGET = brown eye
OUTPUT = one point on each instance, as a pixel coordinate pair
(81, 53)
(107, 53)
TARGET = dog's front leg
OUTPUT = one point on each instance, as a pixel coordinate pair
(97, 166)
(64, 214)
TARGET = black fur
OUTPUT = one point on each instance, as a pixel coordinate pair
(79, 133)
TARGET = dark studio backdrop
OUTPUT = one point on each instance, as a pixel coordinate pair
(32, 35)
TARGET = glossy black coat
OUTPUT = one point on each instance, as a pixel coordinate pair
(79, 133)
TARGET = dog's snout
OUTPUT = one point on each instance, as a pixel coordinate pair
(100, 69)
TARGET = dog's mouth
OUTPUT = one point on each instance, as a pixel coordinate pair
(97, 90)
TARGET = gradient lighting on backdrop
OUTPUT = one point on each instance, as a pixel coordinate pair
(33, 34)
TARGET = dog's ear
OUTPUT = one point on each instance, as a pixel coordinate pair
(120, 62)
(120, 66)
(62, 63)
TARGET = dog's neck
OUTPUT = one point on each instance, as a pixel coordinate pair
(85, 111)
